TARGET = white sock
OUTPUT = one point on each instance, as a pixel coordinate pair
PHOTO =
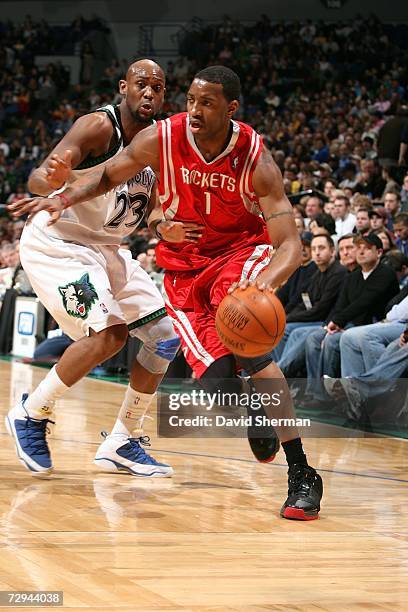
(40, 403)
(133, 412)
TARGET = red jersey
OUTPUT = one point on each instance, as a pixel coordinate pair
(217, 194)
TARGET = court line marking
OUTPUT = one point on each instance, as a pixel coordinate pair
(251, 461)
(283, 465)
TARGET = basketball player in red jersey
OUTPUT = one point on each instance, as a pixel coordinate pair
(215, 177)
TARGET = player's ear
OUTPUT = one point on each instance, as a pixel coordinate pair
(122, 87)
(232, 107)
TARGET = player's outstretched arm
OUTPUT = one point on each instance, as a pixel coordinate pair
(278, 214)
(142, 151)
(88, 133)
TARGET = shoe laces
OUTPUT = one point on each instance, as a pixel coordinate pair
(35, 430)
(137, 453)
(144, 440)
(301, 479)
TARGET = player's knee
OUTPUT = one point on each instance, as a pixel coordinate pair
(253, 365)
(112, 339)
(160, 345)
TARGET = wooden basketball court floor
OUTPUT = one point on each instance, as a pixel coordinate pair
(211, 537)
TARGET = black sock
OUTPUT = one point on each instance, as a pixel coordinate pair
(294, 452)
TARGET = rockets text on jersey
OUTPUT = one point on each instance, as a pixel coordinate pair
(217, 194)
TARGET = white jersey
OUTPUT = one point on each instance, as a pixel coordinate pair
(108, 218)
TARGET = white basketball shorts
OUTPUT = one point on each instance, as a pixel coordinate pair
(88, 287)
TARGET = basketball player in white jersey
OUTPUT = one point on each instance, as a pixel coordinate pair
(92, 288)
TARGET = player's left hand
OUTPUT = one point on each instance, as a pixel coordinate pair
(31, 206)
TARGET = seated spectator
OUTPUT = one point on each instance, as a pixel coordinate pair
(316, 305)
(293, 354)
(290, 294)
(299, 212)
(347, 252)
(314, 206)
(399, 263)
(360, 201)
(392, 205)
(363, 299)
(300, 224)
(328, 208)
(370, 181)
(386, 239)
(328, 187)
(378, 218)
(345, 220)
(322, 224)
(363, 221)
(368, 146)
(324, 173)
(401, 232)
(361, 347)
(379, 380)
(349, 180)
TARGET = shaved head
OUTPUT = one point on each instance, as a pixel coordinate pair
(142, 66)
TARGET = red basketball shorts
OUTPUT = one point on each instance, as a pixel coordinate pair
(192, 299)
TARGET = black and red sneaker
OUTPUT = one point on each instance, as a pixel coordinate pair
(263, 440)
(305, 490)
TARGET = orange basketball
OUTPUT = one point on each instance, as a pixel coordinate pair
(250, 322)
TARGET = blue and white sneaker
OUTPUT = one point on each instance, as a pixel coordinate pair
(30, 438)
(119, 453)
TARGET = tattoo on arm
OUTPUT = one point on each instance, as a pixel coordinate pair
(279, 214)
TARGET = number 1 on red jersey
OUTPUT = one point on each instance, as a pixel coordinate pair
(207, 202)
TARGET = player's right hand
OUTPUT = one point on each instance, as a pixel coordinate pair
(31, 206)
(59, 169)
(178, 231)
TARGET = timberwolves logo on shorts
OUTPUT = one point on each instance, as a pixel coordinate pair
(78, 297)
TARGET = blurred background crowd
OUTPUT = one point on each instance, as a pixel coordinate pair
(331, 102)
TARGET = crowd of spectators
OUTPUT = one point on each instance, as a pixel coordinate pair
(331, 102)
(38, 104)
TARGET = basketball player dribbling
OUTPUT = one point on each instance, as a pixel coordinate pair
(92, 288)
(214, 178)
